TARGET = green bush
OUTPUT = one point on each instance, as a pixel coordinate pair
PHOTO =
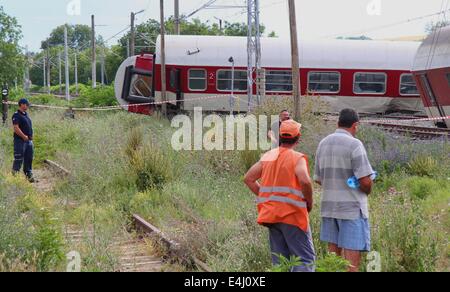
(422, 187)
(332, 263)
(95, 97)
(423, 166)
(148, 163)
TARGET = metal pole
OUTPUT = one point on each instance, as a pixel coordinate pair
(94, 54)
(76, 74)
(250, 50)
(44, 65)
(60, 72)
(4, 93)
(163, 60)
(132, 36)
(27, 72)
(232, 88)
(102, 67)
(258, 53)
(48, 72)
(177, 17)
(295, 60)
(66, 56)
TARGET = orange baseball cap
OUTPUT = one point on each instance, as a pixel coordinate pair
(290, 129)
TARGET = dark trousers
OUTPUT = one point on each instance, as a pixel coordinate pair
(288, 240)
(23, 155)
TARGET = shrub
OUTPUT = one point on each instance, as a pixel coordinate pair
(286, 264)
(332, 263)
(423, 166)
(421, 187)
(151, 167)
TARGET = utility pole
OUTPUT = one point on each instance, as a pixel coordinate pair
(94, 55)
(66, 57)
(76, 74)
(132, 36)
(60, 72)
(44, 75)
(48, 72)
(163, 60)
(102, 66)
(132, 41)
(26, 85)
(296, 88)
(253, 51)
(177, 17)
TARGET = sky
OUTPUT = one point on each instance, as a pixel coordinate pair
(317, 19)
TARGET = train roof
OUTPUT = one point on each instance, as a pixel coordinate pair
(332, 54)
(434, 52)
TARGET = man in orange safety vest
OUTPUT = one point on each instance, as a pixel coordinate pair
(282, 182)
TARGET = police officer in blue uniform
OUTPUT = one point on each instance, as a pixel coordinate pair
(23, 141)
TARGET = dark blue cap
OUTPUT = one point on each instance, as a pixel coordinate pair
(24, 101)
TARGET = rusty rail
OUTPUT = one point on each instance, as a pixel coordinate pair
(174, 248)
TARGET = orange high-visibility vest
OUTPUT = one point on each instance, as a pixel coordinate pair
(280, 198)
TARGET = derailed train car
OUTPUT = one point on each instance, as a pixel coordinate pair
(370, 76)
(432, 73)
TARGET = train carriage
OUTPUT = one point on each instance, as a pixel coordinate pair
(370, 76)
(432, 73)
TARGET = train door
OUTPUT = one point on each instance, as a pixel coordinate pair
(175, 85)
(432, 98)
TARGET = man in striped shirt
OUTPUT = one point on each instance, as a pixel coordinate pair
(345, 213)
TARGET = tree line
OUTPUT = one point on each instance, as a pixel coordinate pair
(113, 51)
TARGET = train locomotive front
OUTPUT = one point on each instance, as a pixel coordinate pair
(134, 84)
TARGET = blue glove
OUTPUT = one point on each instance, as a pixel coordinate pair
(353, 182)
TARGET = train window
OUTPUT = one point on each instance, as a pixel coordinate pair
(278, 81)
(324, 82)
(408, 85)
(448, 78)
(141, 86)
(224, 78)
(197, 79)
(372, 83)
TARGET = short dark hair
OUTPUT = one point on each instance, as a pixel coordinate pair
(289, 141)
(23, 101)
(284, 111)
(347, 118)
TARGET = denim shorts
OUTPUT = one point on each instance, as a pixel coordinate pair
(347, 234)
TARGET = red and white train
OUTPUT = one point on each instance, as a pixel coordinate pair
(432, 74)
(370, 76)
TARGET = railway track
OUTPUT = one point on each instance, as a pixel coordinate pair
(418, 132)
(132, 248)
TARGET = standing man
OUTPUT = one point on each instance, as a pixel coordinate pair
(274, 133)
(23, 141)
(285, 198)
(345, 214)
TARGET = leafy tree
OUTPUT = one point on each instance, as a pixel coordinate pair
(79, 37)
(11, 58)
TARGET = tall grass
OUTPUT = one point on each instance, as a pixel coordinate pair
(123, 164)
